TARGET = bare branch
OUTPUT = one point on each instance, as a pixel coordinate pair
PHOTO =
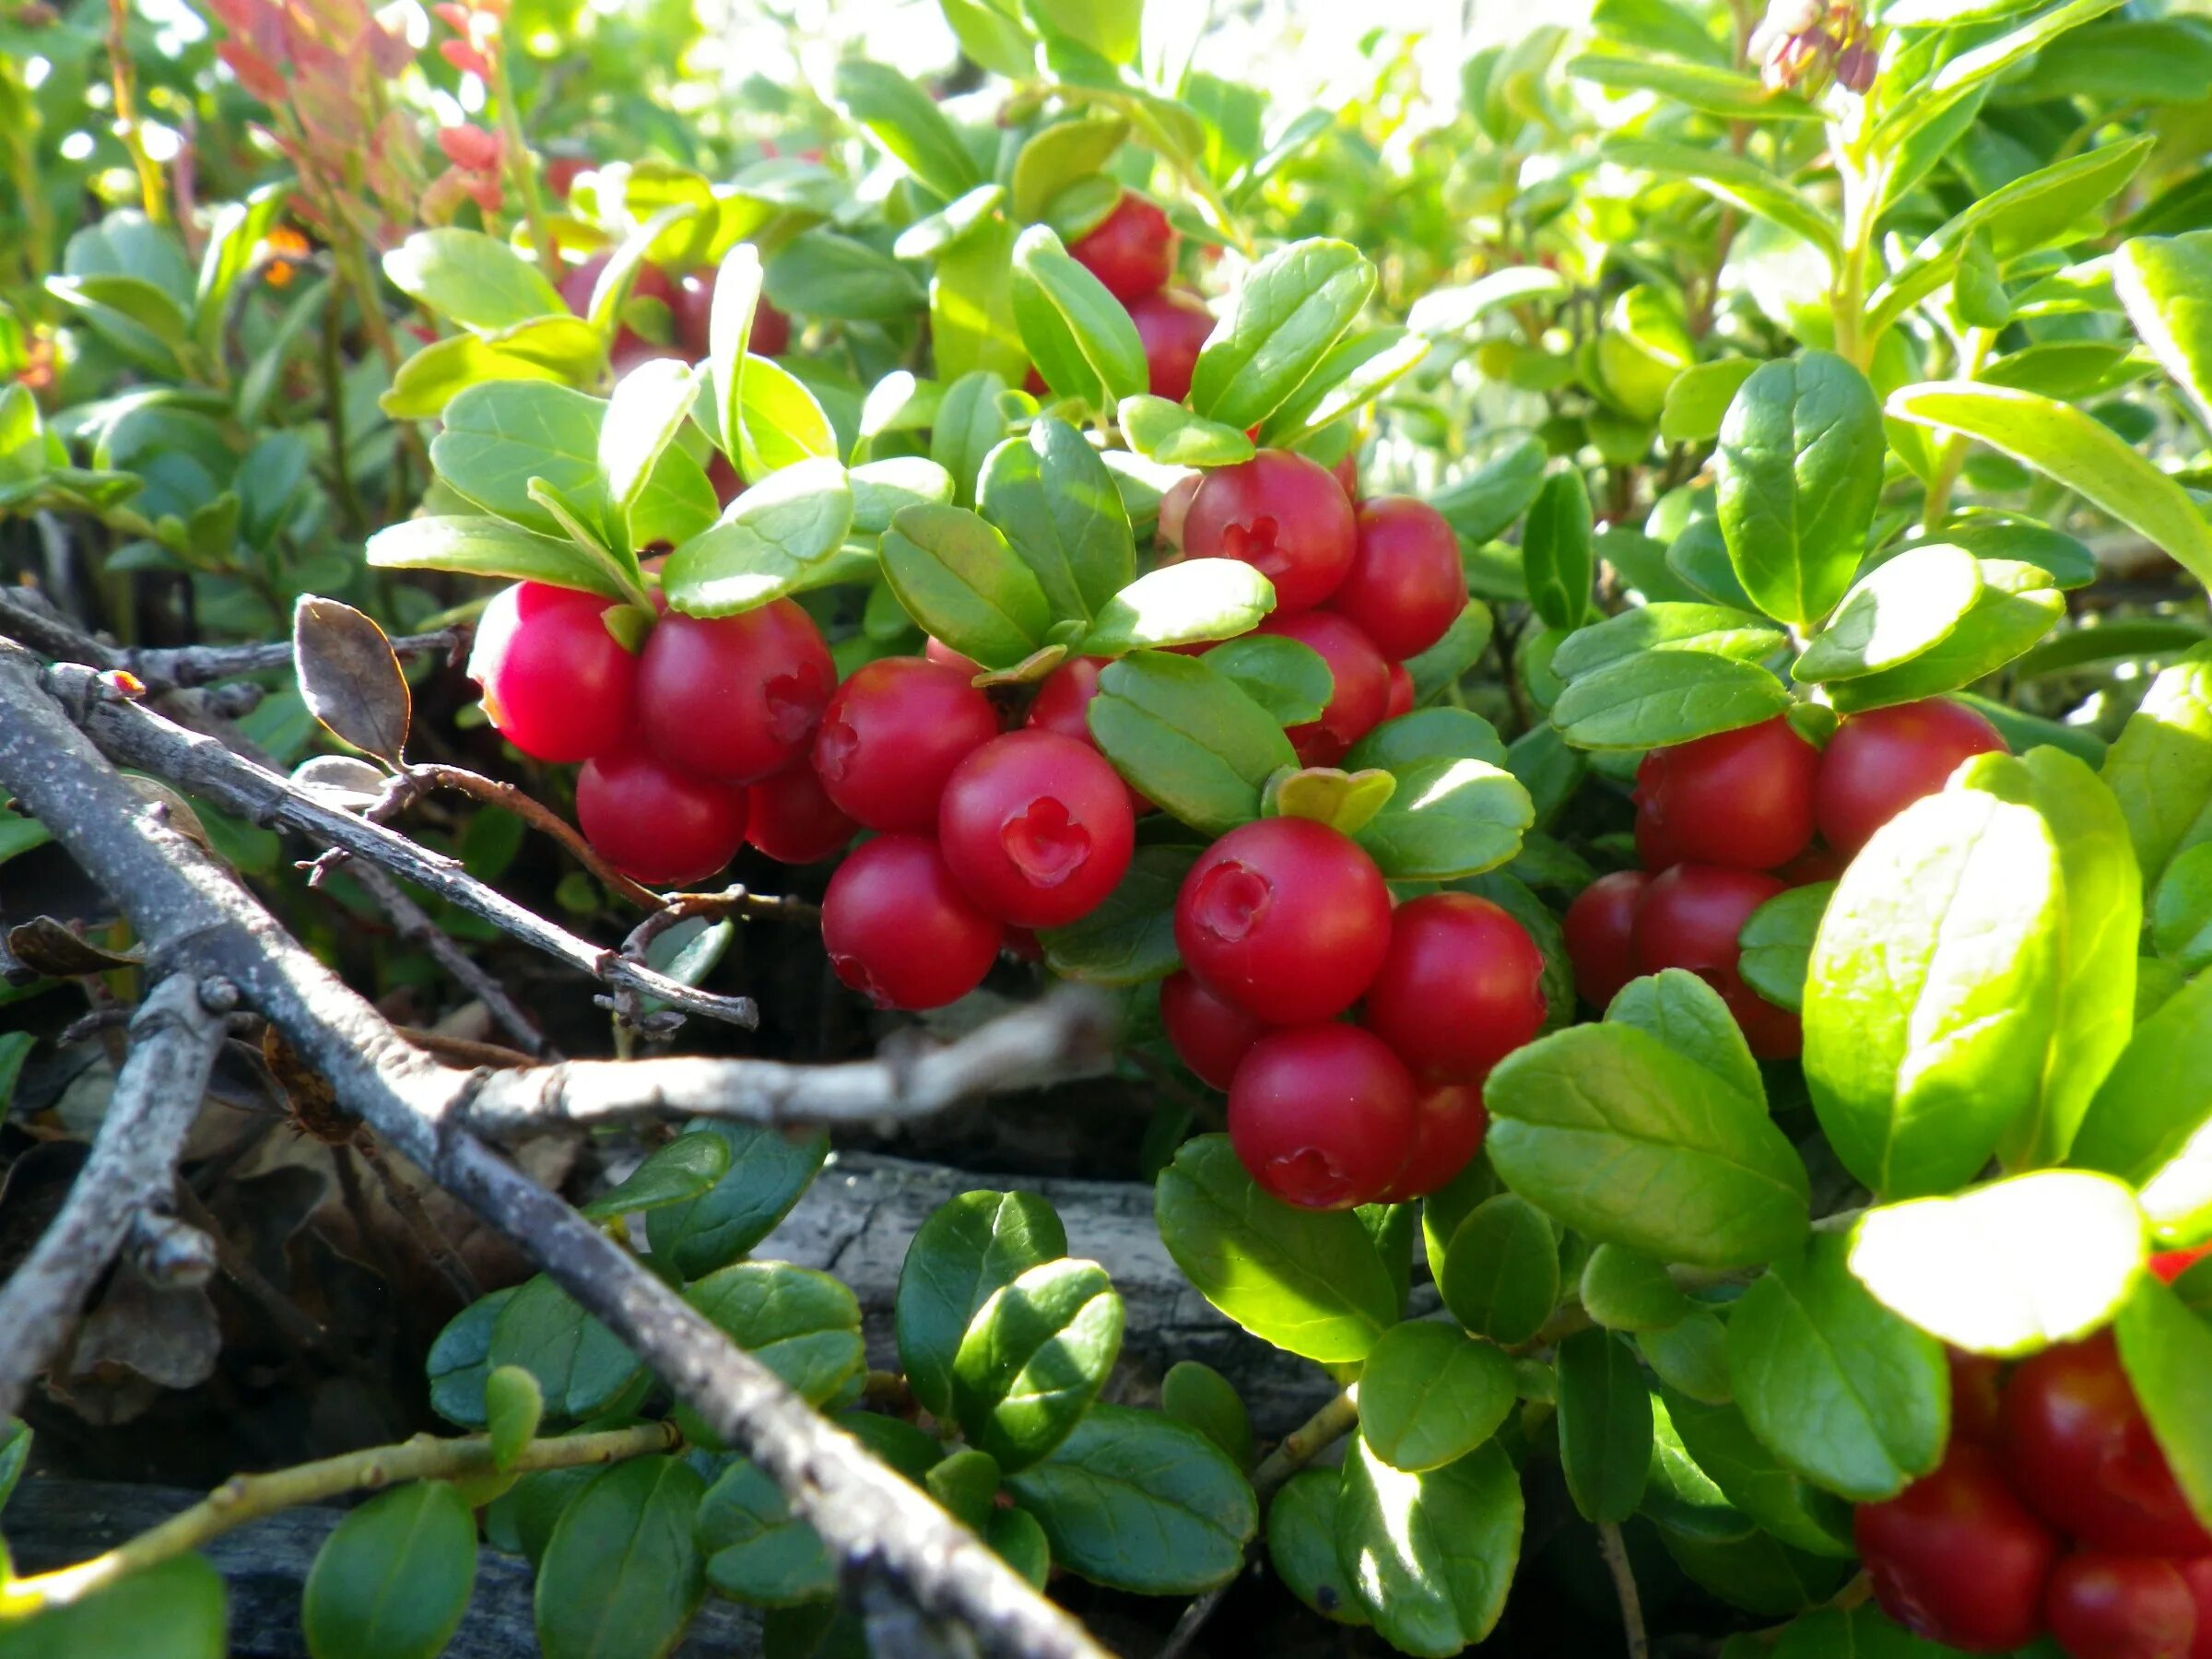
(132, 1168)
(414, 925)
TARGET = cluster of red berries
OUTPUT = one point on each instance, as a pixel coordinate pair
(2053, 1510)
(1132, 253)
(1726, 822)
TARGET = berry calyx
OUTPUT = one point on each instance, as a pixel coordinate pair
(899, 931)
(1323, 1116)
(791, 818)
(1958, 1559)
(1285, 918)
(1741, 798)
(1360, 688)
(1209, 1034)
(2103, 1605)
(655, 824)
(891, 735)
(1036, 827)
(1690, 918)
(1450, 1122)
(1131, 250)
(1406, 586)
(1282, 514)
(734, 699)
(1173, 325)
(1878, 763)
(1460, 988)
(1600, 925)
(555, 683)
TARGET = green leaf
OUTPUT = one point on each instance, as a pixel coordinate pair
(1484, 502)
(1055, 502)
(959, 1258)
(1931, 989)
(2007, 1268)
(774, 536)
(459, 1361)
(1726, 1451)
(1433, 1555)
(965, 1485)
(1443, 663)
(1284, 676)
(1446, 311)
(512, 1408)
(1715, 92)
(1308, 1281)
(1187, 739)
(489, 547)
(1697, 401)
(881, 488)
(1345, 802)
(1020, 1541)
(2180, 912)
(1778, 943)
(1129, 938)
(1926, 101)
(1172, 435)
(564, 350)
(1057, 156)
(1686, 1015)
(1428, 1396)
(780, 422)
(15, 1454)
(621, 1575)
(581, 1366)
(1622, 1138)
(1447, 817)
(1200, 1398)
(2160, 767)
(1605, 1425)
(475, 279)
(1840, 1389)
(1717, 629)
(1900, 610)
(1135, 1502)
(2167, 1351)
(1498, 1270)
(394, 1577)
(1555, 550)
(1080, 336)
(802, 1325)
(826, 275)
(648, 406)
(2165, 282)
(2150, 1121)
(685, 1169)
(1739, 182)
(1301, 1545)
(1800, 471)
(1624, 1290)
(1293, 306)
(757, 1551)
(1197, 600)
(1034, 1358)
(972, 320)
(962, 584)
(2016, 607)
(1661, 697)
(172, 1610)
(768, 1170)
(1428, 735)
(904, 119)
(729, 335)
(1690, 1356)
(1354, 371)
(2074, 449)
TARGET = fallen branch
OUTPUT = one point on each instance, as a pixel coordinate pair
(412, 923)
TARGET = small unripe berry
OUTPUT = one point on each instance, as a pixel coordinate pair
(899, 929)
(1286, 918)
(1360, 683)
(1131, 250)
(1282, 514)
(1036, 827)
(655, 824)
(734, 699)
(1323, 1116)
(1405, 587)
(556, 684)
(792, 819)
(1209, 1035)
(1461, 988)
(891, 735)
(1741, 798)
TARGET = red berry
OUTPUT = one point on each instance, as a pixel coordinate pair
(792, 819)
(2198, 1573)
(2082, 1454)
(1285, 918)
(1977, 1385)
(561, 173)
(1878, 763)
(1346, 473)
(1405, 587)
(655, 824)
(899, 929)
(1062, 699)
(1742, 798)
(1460, 989)
(556, 684)
(1957, 1557)
(937, 651)
(2120, 1607)
(1359, 697)
(728, 485)
(1449, 1125)
(1401, 692)
(1173, 325)
(1601, 933)
(734, 699)
(1323, 1116)
(2169, 1265)
(1282, 514)
(1690, 917)
(1036, 827)
(1131, 250)
(1175, 508)
(629, 347)
(771, 335)
(1209, 1035)
(892, 735)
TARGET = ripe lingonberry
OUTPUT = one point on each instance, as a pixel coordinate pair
(1036, 827)
(1741, 798)
(1405, 587)
(1878, 763)
(651, 283)
(791, 818)
(892, 735)
(1958, 1559)
(1460, 988)
(556, 684)
(1210, 1035)
(1690, 917)
(1449, 1125)
(2103, 1605)
(2082, 1454)
(1359, 692)
(1282, 514)
(1601, 934)
(899, 929)
(1322, 1115)
(1286, 918)
(734, 699)
(1977, 1385)
(1173, 325)
(1401, 692)
(1131, 250)
(1062, 699)
(655, 824)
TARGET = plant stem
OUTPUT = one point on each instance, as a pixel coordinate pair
(1863, 186)
(1973, 351)
(1624, 1585)
(521, 165)
(1304, 1443)
(152, 188)
(245, 1498)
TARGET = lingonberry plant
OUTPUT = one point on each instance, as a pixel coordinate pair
(1574, 707)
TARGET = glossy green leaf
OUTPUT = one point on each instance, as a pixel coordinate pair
(459, 1361)
(1697, 401)
(1130, 937)
(1301, 1545)
(1736, 180)
(904, 119)
(1900, 610)
(174, 1610)
(1625, 1290)
(1717, 629)
(1363, 364)
(513, 1405)
(648, 406)
(2167, 1351)
(1200, 1398)
(2164, 282)
(1055, 502)
(1776, 942)
(1172, 435)
(1498, 1270)
(769, 1169)
(802, 1325)
(1187, 739)
(1080, 336)
(622, 1574)
(1690, 1356)
(1284, 676)
(2015, 607)
(1687, 1016)
(581, 1366)
(1703, 87)
(966, 430)
(394, 1577)
(1605, 1425)
(1555, 550)
(962, 584)
(2150, 1121)
(1428, 1396)
(1660, 697)
(1484, 502)
(489, 547)
(683, 1170)
(2180, 912)
(1293, 306)
(1447, 817)
(781, 424)
(1034, 1358)
(1445, 662)
(826, 275)
(1057, 156)
(2160, 766)
(1197, 600)
(755, 1551)
(1724, 1450)
(475, 279)
(1431, 1555)
(959, 1258)
(772, 538)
